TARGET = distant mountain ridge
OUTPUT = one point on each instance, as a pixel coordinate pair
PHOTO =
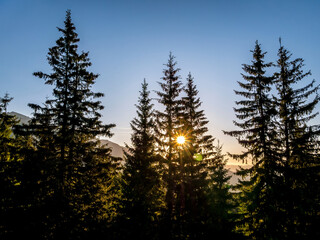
(23, 118)
(118, 151)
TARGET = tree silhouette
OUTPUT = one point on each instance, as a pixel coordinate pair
(258, 207)
(299, 147)
(195, 172)
(167, 129)
(10, 173)
(142, 192)
(75, 172)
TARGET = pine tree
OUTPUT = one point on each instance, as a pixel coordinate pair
(167, 129)
(75, 171)
(260, 212)
(299, 148)
(141, 190)
(194, 172)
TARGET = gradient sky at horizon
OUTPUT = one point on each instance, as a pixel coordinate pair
(131, 40)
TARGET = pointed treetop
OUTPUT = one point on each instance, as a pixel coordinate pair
(68, 19)
(4, 102)
(171, 63)
(280, 41)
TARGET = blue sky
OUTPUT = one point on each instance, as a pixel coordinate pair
(131, 40)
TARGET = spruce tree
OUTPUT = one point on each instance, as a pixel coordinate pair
(259, 210)
(141, 189)
(300, 143)
(194, 171)
(167, 124)
(78, 170)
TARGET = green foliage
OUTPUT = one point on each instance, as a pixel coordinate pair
(279, 200)
(194, 174)
(259, 210)
(167, 129)
(10, 171)
(142, 194)
(57, 181)
(299, 147)
(69, 174)
(221, 204)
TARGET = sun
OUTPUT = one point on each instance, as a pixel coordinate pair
(181, 140)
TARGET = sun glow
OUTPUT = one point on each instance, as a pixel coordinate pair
(181, 140)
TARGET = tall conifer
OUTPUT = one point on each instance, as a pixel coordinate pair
(259, 211)
(167, 124)
(300, 143)
(141, 188)
(198, 157)
(65, 130)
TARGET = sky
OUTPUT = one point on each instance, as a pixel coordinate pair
(131, 40)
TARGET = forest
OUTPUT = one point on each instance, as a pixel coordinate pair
(57, 181)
